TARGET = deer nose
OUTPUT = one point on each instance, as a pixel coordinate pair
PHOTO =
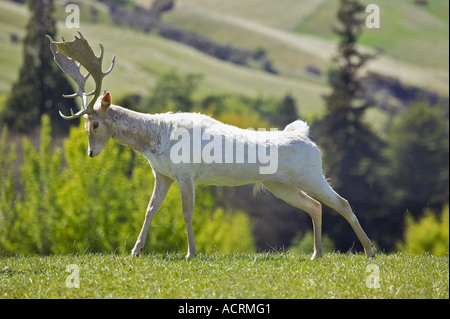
(90, 153)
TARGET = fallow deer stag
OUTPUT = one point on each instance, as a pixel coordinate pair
(209, 152)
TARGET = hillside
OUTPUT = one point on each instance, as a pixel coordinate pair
(412, 41)
(142, 58)
(295, 35)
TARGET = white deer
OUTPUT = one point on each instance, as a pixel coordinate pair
(298, 176)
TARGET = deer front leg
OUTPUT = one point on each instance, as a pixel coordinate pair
(162, 185)
(187, 190)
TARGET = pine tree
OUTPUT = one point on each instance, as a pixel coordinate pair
(41, 83)
(347, 141)
(351, 149)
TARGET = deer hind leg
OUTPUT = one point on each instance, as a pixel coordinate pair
(162, 185)
(323, 192)
(295, 197)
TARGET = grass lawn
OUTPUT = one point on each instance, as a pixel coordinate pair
(264, 275)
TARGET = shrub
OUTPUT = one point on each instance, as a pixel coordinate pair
(428, 234)
(7, 177)
(38, 212)
(72, 203)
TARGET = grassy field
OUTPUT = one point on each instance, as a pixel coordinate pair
(406, 30)
(265, 275)
(413, 39)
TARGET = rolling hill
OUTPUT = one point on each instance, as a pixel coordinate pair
(412, 40)
(412, 44)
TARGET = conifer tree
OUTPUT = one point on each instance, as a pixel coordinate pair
(348, 142)
(40, 85)
(351, 149)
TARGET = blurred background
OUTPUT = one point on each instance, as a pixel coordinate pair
(377, 100)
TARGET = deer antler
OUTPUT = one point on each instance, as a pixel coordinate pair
(65, 54)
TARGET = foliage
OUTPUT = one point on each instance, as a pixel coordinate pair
(415, 174)
(71, 203)
(7, 177)
(428, 234)
(40, 181)
(225, 276)
(38, 89)
(177, 92)
(285, 112)
(418, 157)
(173, 92)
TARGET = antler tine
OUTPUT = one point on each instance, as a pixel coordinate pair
(101, 60)
(65, 54)
(72, 69)
(111, 67)
(84, 109)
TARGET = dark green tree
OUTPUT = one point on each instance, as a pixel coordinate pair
(351, 150)
(286, 112)
(41, 83)
(173, 92)
(418, 158)
(416, 172)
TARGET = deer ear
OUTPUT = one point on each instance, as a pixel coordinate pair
(106, 100)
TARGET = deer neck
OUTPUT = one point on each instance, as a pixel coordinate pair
(139, 131)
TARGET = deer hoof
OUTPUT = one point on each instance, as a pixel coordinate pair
(135, 253)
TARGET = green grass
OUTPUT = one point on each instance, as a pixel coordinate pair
(265, 275)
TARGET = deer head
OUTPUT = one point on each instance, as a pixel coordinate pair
(66, 55)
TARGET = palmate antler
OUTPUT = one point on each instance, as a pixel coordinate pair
(65, 54)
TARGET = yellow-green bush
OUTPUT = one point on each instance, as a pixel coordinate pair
(429, 234)
(72, 203)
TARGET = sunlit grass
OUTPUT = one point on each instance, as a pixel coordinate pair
(264, 275)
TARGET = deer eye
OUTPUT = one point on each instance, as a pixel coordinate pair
(95, 126)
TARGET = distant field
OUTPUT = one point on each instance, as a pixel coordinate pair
(295, 34)
(266, 275)
(413, 39)
(12, 21)
(142, 58)
(413, 33)
(406, 29)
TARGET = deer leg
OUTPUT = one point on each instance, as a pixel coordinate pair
(342, 206)
(187, 190)
(324, 193)
(295, 197)
(162, 185)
